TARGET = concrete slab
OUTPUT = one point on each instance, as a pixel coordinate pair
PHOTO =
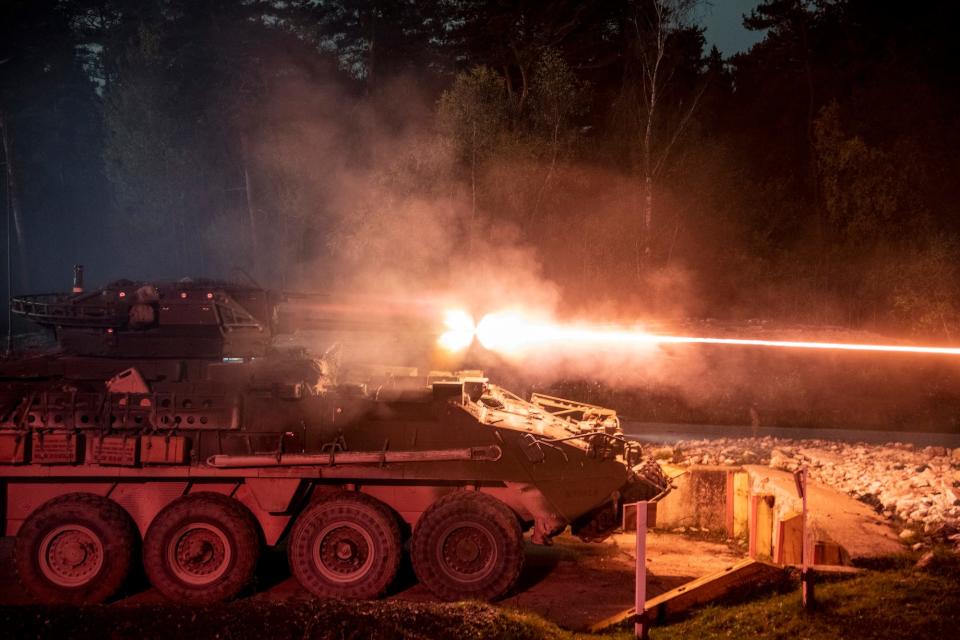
(698, 499)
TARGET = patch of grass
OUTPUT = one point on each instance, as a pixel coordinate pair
(294, 618)
(902, 603)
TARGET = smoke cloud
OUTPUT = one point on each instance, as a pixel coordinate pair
(362, 196)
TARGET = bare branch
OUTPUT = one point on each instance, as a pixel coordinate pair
(681, 126)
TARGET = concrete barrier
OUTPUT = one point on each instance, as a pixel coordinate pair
(760, 505)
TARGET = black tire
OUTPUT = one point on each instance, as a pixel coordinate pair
(201, 549)
(75, 549)
(467, 545)
(346, 546)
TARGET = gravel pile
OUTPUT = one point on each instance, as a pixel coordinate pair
(917, 488)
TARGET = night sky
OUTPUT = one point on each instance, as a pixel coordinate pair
(724, 22)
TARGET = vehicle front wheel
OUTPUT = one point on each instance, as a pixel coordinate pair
(467, 545)
(75, 549)
(201, 549)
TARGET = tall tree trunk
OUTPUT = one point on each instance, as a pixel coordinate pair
(11, 179)
(546, 178)
(647, 164)
(372, 51)
(524, 80)
(473, 191)
(13, 199)
(650, 82)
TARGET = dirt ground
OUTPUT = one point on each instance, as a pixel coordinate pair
(572, 583)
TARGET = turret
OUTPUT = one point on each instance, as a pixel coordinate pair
(204, 319)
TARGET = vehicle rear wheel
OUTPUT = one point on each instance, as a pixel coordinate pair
(467, 545)
(202, 548)
(75, 549)
(346, 546)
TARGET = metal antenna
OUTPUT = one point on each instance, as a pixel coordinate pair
(9, 197)
(9, 349)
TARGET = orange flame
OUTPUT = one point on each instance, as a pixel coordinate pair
(511, 333)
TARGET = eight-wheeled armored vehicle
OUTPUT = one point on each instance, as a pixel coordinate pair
(167, 420)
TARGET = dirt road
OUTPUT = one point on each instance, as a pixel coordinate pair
(572, 583)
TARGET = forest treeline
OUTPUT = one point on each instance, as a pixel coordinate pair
(811, 179)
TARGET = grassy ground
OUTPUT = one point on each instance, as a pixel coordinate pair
(295, 618)
(896, 602)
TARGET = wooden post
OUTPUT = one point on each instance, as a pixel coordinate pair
(806, 553)
(731, 506)
(640, 627)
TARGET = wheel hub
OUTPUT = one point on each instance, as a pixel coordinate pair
(343, 552)
(70, 555)
(74, 553)
(468, 552)
(199, 553)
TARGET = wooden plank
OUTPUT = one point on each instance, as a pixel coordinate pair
(709, 588)
(696, 592)
(741, 504)
(832, 569)
(728, 521)
(613, 621)
(761, 526)
(790, 541)
(829, 553)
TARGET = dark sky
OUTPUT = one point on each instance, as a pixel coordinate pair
(724, 22)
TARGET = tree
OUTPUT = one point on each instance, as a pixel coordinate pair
(372, 40)
(511, 37)
(658, 26)
(863, 187)
(790, 26)
(923, 293)
(558, 96)
(473, 115)
(52, 132)
(150, 153)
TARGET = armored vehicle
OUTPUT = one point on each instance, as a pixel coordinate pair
(166, 421)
